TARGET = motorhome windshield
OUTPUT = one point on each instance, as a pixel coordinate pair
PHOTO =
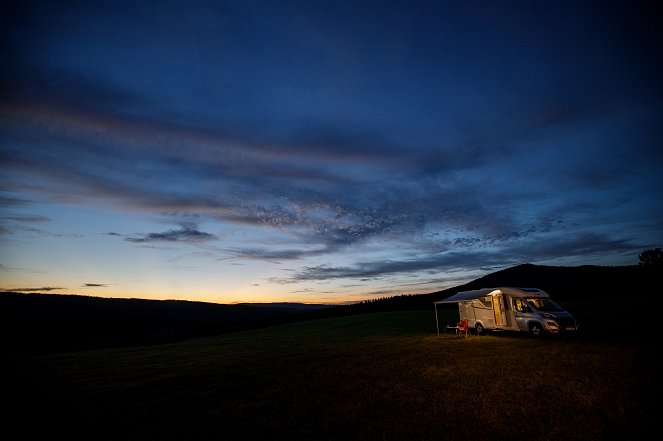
(544, 305)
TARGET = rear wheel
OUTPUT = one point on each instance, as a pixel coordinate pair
(479, 329)
(536, 329)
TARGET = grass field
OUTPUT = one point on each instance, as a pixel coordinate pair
(383, 376)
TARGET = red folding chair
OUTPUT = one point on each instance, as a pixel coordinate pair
(462, 328)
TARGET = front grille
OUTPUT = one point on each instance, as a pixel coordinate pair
(566, 322)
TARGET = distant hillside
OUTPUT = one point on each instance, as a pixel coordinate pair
(41, 323)
(294, 307)
(561, 282)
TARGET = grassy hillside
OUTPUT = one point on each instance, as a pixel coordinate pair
(381, 376)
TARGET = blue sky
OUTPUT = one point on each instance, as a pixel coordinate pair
(323, 151)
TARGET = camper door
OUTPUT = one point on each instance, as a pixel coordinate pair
(499, 311)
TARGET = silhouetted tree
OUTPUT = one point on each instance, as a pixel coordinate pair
(651, 258)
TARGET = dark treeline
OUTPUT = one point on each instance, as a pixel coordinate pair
(43, 323)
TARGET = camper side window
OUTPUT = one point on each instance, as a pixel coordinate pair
(486, 302)
(521, 305)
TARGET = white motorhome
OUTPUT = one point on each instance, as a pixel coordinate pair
(511, 309)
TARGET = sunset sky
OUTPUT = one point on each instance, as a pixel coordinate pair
(323, 151)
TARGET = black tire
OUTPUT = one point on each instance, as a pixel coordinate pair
(479, 329)
(536, 330)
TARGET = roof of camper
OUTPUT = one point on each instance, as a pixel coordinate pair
(464, 296)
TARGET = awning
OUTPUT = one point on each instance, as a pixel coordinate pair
(462, 296)
(468, 295)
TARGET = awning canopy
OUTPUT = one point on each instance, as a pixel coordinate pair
(464, 296)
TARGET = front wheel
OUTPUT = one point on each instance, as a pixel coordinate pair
(479, 329)
(536, 329)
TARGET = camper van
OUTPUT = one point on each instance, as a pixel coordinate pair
(511, 309)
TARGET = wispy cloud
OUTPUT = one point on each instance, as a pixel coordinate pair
(27, 218)
(43, 233)
(271, 254)
(586, 245)
(8, 201)
(41, 289)
(187, 233)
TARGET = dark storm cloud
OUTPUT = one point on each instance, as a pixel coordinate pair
(187, 233)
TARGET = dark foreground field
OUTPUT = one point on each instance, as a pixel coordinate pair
(381, 376)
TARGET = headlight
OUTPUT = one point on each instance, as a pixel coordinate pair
(552, 324)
